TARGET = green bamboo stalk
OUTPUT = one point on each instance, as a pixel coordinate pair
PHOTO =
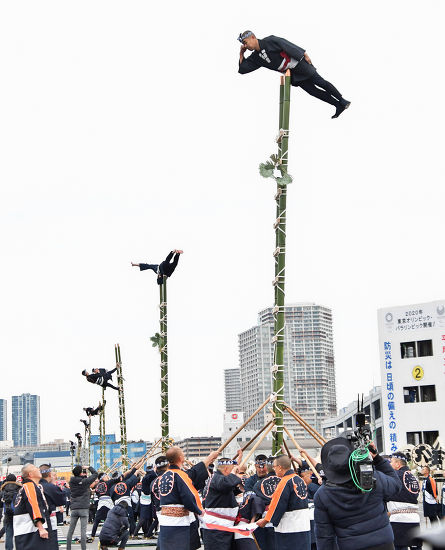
(164, 364)
(102, 435)
(280, 264)
(122, 418)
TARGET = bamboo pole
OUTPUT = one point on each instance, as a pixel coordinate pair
(287, 451)
(249, 443)
(121, 397)
(232, 437)
(310, 430)
(102, 435)
(280, 263)
(257, 444)
(164, 363)
(303, 453)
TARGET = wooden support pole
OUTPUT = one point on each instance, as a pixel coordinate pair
(232, 437)
(286, 448)
(249, 443)
(303, 453)
(310, 430)
(257, 444)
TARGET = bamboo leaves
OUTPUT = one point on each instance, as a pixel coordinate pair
(156, 340)
(274, 169)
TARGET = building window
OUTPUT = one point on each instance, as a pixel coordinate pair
(377, 409)
(379, 439)
(408, 350)
(430, 437)
(424, 348)
(427, 393)
(414, 438)
(411, 394)
(421, 348)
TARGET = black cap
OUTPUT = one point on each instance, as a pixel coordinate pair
(335, 459)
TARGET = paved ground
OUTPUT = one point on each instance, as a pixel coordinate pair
(76, 546)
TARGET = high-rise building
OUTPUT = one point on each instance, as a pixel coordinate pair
(3, 420)
(26, 419)
(309, 371)
(232, 389)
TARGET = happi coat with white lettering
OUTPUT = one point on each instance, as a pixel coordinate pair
(289, 513)
(179, 502)
(30, 507)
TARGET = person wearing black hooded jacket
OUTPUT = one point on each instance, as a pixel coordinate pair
(345, 517)
(9, 491)
(115, 529)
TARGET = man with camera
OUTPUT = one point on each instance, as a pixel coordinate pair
(80, 503)
(350, 511)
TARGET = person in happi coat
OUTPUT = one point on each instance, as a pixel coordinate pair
(221, 506)
(264, 490)
(312, 487)
(121, 491)
(145, 504)
(32, 524)
(249, 509)
(55, 497)
(260, 472)
(104, 502)
(403, 509)
(161, 466)
(179, 502)
(429, 489)
(278, 54)
(288, 510)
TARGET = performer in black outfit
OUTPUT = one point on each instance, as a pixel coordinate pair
(101, 377)
(164, 268)
(278, 54)
(91, 411)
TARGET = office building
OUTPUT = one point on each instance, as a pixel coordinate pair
(309, 371)
(3, 420)
(197, 448)
(412, 362)
(232, 389)
(136, 449)
(345, 421)
(26, 419)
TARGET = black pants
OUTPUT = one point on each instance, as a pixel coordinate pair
(120, 542)
(328, 93)
(108, 376)
(101, 515)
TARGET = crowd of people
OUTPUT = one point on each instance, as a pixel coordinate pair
(288, 503)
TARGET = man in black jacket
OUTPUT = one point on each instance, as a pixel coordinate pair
(165, 268)
(347, 518)
(278, 54)
(80, 503)
(9, 491)
(115, 529)
(101, 377)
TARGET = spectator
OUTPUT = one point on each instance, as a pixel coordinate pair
(114, 531)
(429, 489)
(80, 503)
(9, 491)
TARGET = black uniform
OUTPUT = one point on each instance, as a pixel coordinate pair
(278, 54)
(102, 378)
(264, 490)
(403, 510)
(164, 268)
(221, 508)
(146, 509)
(54, 497)
(105, 504)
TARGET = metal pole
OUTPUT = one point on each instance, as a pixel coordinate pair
(280, 265)
(164, 363)
(122, 418)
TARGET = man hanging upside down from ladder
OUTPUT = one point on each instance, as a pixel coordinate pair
(164, 268)
(277, 54)
(101, 377)
(91, 411)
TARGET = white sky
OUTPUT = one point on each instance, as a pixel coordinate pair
(126, 131)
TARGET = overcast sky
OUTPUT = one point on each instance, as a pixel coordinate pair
(125, 131)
